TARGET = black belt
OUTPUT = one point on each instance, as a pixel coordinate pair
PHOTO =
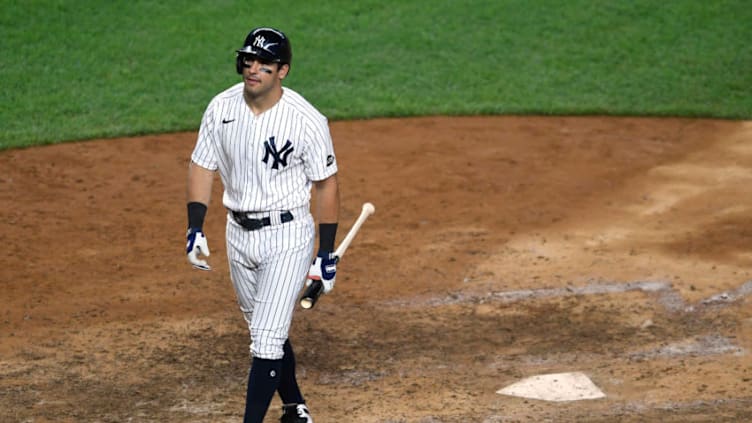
(256, 224)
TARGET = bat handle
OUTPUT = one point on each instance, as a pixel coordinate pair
(311, 294)
(314, 291)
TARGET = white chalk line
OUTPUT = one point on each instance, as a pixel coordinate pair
(705, 345)
(667, 295)
(702, 345)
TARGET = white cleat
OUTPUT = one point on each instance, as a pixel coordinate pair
(295, 413)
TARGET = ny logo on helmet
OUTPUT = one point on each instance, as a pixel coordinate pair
(260, 42)
(279, 156)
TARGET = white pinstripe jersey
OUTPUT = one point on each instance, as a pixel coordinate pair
(266, 162)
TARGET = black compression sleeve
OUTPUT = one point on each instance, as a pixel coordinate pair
(327, 233)
(196, 214)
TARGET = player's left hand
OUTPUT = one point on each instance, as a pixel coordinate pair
(324, 269)
(197, 245)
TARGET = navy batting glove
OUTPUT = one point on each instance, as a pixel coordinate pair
(195, 246)
(324, 269)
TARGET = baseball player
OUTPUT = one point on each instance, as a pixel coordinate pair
(270, 146)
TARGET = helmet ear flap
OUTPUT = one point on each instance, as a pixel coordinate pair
(239, 63)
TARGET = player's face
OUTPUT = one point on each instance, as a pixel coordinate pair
(261, 77)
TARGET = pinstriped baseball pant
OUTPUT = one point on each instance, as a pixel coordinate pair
(268, 268)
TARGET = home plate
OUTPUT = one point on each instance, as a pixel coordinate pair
(554, 387)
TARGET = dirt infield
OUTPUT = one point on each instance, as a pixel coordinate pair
(501, 248)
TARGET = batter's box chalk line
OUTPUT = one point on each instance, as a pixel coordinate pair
(573, 386)
(667, 295)
(705, 345)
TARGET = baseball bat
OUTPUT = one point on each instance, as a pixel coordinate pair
(312, 293)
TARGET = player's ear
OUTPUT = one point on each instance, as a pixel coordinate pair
(283, 71)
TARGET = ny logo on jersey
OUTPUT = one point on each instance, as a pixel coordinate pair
(279, 156)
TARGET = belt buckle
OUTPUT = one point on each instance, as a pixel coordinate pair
(246, 222)
(253, 224)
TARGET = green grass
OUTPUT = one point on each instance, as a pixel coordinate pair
(85, 69)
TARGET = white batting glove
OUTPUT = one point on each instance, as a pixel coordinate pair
(197, 245)
(324, 269)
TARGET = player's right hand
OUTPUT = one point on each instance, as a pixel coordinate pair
(196, 246)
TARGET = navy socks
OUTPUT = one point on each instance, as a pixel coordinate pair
(266, 377)
(263, 381)
(288, 388)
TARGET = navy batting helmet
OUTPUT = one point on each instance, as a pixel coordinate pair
(267, 44)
